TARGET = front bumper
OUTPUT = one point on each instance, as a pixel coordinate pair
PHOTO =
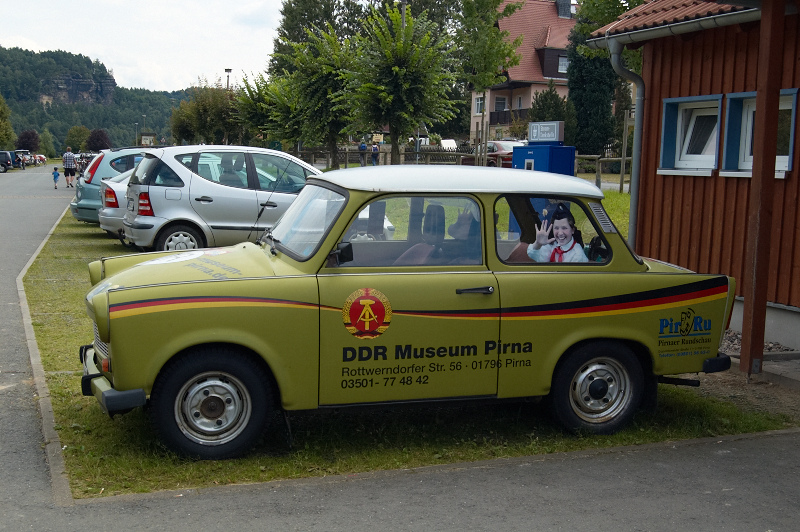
(721, 362)
(93, 382)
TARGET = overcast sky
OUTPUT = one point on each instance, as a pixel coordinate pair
(162, 45)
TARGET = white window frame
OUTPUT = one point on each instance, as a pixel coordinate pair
(479, 100)
(498, 100)
(519, 102)
(688, 116)
(748, 126)
(563, 64)
(679, 120)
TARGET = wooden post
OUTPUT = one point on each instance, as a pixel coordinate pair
(624, 151)
(759, 227)
(598, 181)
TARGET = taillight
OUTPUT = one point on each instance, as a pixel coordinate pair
(110, 199)
(145, 209)
(88, 174)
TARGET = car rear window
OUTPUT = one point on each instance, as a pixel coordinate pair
(143, 170)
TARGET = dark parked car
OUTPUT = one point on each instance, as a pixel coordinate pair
(6, 161)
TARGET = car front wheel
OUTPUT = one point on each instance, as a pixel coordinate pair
(598, 388)
(179, 237)
(212, 404)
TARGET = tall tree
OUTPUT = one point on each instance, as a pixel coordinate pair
(208, 116)
(297, 17)
(47, 143)
(486, 50)
(318, 80)
(7, 135)
(402, 76)
(548, 106)
(596, 86)
(76, 138)
(98, 140)
(591, 83)
(28, 140)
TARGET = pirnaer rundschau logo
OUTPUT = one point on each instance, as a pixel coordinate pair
(366, 313)
(689, 325)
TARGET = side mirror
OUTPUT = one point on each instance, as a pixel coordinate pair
(343, 253)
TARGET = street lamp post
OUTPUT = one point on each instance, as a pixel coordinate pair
(136, 134)
(144, 123)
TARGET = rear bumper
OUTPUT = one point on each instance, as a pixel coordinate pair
(94, 383)
(721, 362)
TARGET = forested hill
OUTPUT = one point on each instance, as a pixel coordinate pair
(55, 91)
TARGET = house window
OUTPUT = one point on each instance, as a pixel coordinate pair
(740, 127)
(563, 64)
(500, 103)
(690, 134)
(478, 105)
(519, 102)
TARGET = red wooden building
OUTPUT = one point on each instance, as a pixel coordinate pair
(700, 169)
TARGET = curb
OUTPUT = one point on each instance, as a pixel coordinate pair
(782, 373)
(59, 480)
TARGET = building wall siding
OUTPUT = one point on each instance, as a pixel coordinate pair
(700, 222)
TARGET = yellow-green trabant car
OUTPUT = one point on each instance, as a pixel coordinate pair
(401, 284)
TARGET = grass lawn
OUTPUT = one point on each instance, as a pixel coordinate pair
(114, 456)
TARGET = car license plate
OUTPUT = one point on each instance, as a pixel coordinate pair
(130, 204)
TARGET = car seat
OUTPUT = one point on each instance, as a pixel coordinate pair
(229, 176)
(432, 236)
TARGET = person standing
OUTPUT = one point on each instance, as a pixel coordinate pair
(55, 176)
(362, 153)
(375, 152)
(69, 167)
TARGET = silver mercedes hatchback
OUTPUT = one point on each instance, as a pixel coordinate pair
(187, 197)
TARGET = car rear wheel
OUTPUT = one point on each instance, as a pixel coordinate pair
(3, 169)
(598, 388)
(212, 404)
(179, 237)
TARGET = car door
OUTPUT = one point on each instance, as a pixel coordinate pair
(278, 180)
(222, 197)
(412, 316)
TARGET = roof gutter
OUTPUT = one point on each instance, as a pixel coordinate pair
(615, 45)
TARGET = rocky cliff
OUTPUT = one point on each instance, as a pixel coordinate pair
(75, 89)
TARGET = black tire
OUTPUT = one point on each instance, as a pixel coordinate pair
(178, 237)
(491, 163)
(598, 388)
(212, 404)
(3, 169)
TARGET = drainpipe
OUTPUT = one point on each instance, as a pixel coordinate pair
(616, 47)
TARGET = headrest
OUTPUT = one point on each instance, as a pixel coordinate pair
(433, 225)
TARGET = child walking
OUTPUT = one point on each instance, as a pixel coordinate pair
(55, 176)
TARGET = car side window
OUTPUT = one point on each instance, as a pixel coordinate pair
(166, 177)
(278, 174)
(121, 164)
(225, 168)
(416, 231)
(571, 234)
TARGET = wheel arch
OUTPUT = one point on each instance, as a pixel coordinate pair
(639, 350)
(242, 350)
(208, 237)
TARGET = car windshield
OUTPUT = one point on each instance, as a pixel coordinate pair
(301, 229)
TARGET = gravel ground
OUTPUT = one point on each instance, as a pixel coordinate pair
(758, 394)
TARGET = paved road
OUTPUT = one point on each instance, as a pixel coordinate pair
(744, 483)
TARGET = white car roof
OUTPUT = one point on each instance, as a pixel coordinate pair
(456, 178)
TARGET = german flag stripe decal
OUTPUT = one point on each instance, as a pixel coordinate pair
(663, 298)
(147, 306)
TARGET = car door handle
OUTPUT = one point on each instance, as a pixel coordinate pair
(478, 290)
(270, 204)
(204, 199)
